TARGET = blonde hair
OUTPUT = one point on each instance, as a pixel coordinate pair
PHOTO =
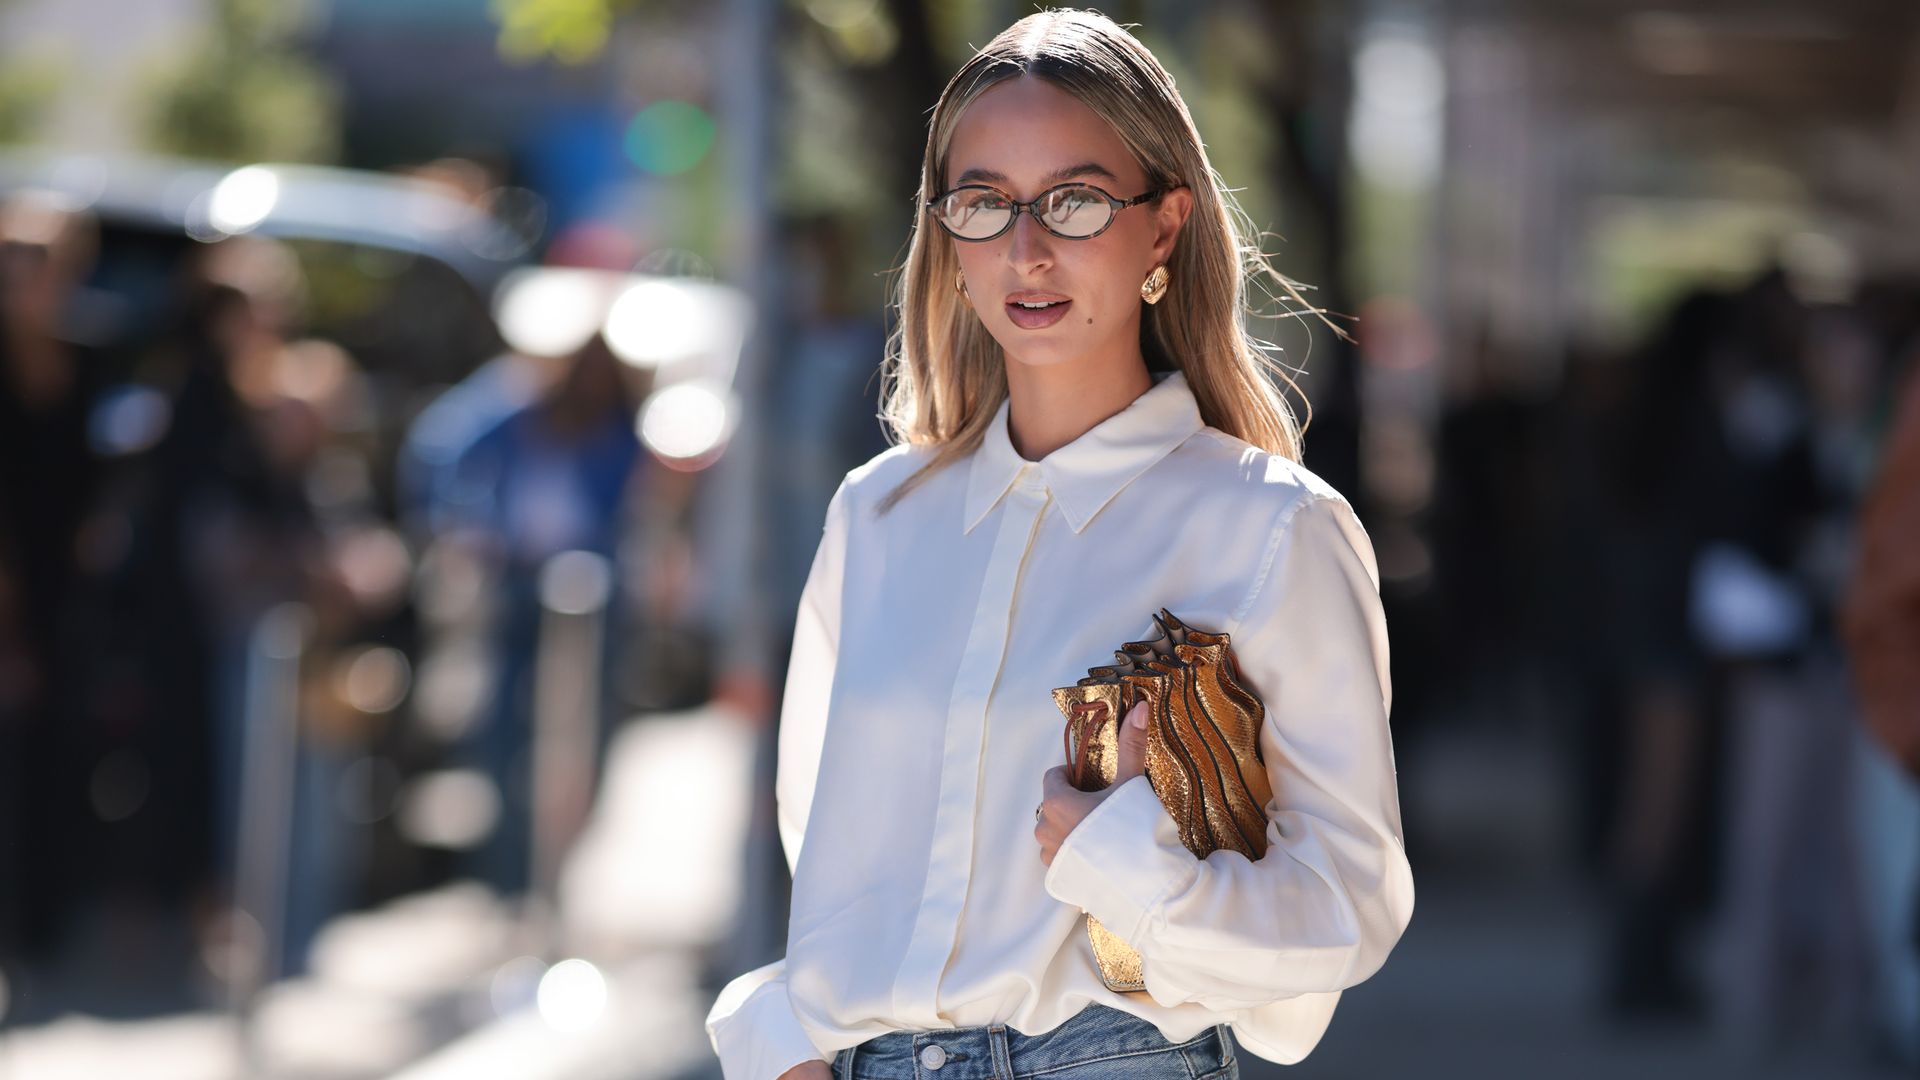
(945, 376)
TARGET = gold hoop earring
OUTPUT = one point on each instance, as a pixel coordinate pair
(960, 283)
(1155, 287)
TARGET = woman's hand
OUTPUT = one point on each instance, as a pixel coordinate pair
(1065, 806)
(809, 1070)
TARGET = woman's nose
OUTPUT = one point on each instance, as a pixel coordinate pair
(1032, 245)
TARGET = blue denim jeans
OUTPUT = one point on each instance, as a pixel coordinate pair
(1097, 1043)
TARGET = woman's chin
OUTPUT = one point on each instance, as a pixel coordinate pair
(1040, 358)
(1028, 349)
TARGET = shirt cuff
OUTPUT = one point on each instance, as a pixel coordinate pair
(761, 1038)
(1122, 860)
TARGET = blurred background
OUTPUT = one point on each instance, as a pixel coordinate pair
(417, 417)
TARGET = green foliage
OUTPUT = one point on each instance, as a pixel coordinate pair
(245, 93)
(577, 31)
(27, 86)
(861, 33)
(827, 161)
(570, 31)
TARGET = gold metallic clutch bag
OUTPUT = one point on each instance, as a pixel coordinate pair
(1203, 751)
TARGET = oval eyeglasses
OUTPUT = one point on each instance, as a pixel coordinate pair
(1073, 211)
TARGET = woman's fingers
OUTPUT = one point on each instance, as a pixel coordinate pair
(1133, 743)
(1054, 781)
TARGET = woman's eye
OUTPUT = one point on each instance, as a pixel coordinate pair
(1066, 204)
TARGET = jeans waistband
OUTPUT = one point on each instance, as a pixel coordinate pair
(1096, 1033)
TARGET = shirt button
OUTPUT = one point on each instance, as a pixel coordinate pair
(933, 1056)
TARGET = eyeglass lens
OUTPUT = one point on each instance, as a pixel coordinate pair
(1073, 211)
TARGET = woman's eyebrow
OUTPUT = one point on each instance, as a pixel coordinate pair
(1071, 172)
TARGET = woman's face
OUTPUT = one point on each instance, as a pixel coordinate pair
(1022, 137)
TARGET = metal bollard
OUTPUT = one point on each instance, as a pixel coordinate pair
(575, 587)
(269, 756)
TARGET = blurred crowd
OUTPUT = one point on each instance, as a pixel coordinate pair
(272, 618)
(162, 496)
(1668, 542)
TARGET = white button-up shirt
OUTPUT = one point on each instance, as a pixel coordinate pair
(917, 722)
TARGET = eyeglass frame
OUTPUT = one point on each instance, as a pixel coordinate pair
(1116, 203)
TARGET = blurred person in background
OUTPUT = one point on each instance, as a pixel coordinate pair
(458, 414)
(49, 383)
(313, 411)
(250, 533)
(448, 427)
(253, 542)
(555, 474)
(1658, 832)
(1739, 455)
(1796, 957)
(1789, 387)
(189, 533)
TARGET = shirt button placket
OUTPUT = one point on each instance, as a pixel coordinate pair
(950, 861)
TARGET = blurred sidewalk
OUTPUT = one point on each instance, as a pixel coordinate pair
(1499, 973)
(1496, 977)
(1501, 983)
(448, 983)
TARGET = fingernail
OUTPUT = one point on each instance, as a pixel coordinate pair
(1139, 716)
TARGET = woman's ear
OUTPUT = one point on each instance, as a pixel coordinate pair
(1172, 210)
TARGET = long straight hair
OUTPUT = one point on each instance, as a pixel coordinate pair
(945, 375)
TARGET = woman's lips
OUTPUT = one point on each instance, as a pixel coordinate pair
(1037, 318)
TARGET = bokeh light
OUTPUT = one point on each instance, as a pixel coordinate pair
(548, 311)
(669, 137)
(243, 199)
(129, 418)
(452, 808)
(655, 322)
(375, 679)
(572, 995)
(688, 421)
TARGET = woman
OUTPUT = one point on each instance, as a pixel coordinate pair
(1088, 436)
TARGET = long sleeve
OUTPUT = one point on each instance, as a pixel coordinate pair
(751, 1024)
(1320, 910)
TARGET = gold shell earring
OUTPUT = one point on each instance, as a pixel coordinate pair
(960, 283)
(1155, 287)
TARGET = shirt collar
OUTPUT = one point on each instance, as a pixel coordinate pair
(1084, 475)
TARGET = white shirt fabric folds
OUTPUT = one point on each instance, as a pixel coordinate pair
(917, 722)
